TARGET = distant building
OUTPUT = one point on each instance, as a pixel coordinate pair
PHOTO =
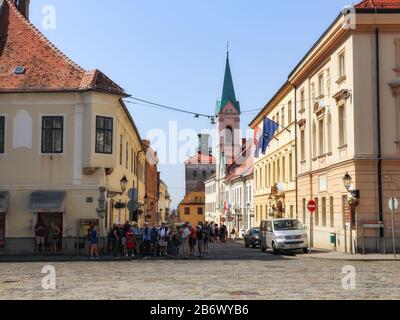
(200, 167)
(164, 202)
(192, 208)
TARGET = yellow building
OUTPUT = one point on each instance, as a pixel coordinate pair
(68, 145)
(347, 110)
(275, 172)
(192, 208)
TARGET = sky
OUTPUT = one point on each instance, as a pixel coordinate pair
(173, 53)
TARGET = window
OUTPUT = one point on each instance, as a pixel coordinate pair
(278, 175)
(290, 167)
(283, 123)
(342, 126)
(2, 133)
(283, 169)
(321, 136)
(342, 65)
(329, 131)
(321, 85)
(121, 146)
(204, 174)
(302, 146)
(314, 139)
(324, 212)
(104, 135)
(277, 121)
(316, 214)
(302, 99)
(200, 211)
(289, 113)
(52, 134)
(291, 212)
(332, 212)
(195, 175)
(187, 210)
(132, 161)
(127, 156)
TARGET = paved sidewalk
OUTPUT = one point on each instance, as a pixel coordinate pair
(340, 256)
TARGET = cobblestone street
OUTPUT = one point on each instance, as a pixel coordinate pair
(229, 272)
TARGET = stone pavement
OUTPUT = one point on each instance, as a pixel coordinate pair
(229, 272)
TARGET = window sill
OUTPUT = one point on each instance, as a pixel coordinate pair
(321, 156)
(329, 154)
(314, 159)
(341, 79)
(343, 147)
(303, 162)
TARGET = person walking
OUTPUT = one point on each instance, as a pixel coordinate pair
(216, 233)
(185, 241)
(116, 240)
(192, 241)
(172, 247)
(222, 233)
(138, 238)
(54, 233)
(125, 230)
(147, 240)
(94, 242)
(233, 233)
(163, 239)
(200, 239)
(40, 237)
(207, 237)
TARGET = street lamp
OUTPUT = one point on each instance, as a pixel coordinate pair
(347, 181)
(124, 184)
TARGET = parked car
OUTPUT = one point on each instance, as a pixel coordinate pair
(283, 235)
(252, 238)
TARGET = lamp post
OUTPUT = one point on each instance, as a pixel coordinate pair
(347, 181)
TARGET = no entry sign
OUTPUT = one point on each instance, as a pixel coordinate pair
(312, 206)
(393, 204)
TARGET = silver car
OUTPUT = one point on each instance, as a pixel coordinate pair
(283, 235)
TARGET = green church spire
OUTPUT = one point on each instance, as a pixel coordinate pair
(228, 92)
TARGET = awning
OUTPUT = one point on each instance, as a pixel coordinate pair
(4, 199)
(47, 201)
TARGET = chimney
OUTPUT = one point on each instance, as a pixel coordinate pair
(23, 7)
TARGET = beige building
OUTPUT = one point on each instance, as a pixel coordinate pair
(275, 172)
(347, 108)
(68, 145)
(164, 203)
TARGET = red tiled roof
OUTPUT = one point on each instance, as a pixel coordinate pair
(46, 67)
(201, 159)
(379, 4)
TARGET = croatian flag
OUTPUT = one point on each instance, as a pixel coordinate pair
(257, 141)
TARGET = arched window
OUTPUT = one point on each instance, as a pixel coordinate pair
(195, 174)
(321, 137)
(229, 136)
(314, 140)
(329, 131)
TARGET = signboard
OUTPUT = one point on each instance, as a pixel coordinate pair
(347, 215)
(393, 204)
(312, 206)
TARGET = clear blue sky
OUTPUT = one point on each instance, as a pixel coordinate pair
(173, 52)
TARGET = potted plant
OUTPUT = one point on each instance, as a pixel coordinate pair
(353, 202)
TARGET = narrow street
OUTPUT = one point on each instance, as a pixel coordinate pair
(229, 272)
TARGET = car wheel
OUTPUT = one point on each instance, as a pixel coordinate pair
(305, 250)
(275, 251)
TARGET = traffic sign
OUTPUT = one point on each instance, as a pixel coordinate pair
(393, 204)
(312, 206)
(223, 219)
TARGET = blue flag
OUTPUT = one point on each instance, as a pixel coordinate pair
(269, 130)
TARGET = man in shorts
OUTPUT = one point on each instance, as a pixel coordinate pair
(40, 236)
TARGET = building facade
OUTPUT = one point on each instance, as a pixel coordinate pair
(69, 149)
(164, 203)
(347, 115)
(211, 200)
(192, 208)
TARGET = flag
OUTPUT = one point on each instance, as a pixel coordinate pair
(269, 129)
(257, 141)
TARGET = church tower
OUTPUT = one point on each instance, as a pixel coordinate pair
(228, 131)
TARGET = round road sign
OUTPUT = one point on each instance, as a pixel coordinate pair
(393, 204)
(312, 206)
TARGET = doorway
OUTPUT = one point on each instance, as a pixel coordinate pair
(57, 219)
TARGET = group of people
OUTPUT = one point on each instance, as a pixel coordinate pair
(47, 237)
(166, 241)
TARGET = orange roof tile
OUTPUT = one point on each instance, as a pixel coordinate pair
(46, 67)
(380, 4)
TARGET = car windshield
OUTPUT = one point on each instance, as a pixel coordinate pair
(287, 225)
(256, 231)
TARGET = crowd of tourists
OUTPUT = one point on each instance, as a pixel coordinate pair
(173, 242)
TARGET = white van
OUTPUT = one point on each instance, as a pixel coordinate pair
(283, 235)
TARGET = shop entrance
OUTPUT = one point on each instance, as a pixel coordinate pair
(2, 231)
(57, 219)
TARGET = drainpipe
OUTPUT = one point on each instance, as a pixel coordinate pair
(378, 134)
